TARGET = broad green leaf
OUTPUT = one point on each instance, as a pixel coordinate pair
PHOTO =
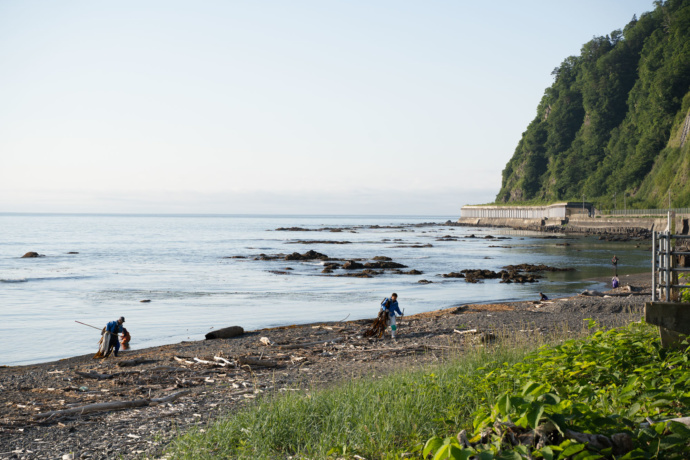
(503, 405)
(679, 429)
(432, 445)
(546, 453)
(572, 449)
(633, 409)
(534, 415)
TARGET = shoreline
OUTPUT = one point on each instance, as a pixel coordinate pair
(635, 277)
(302, 357)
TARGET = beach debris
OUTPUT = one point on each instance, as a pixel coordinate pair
(109, 406)
(468, 331)
(31, 255)
(256, 361)
(134, 362)
(379, 326)
(266, 341)
(311, 344)
(225, 333)
(225, 361)
(94, 375)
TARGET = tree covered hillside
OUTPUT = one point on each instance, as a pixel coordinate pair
(616, 120)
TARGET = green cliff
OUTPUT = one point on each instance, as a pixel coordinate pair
(615, 122)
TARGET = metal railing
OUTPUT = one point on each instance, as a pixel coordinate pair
(663, 264)
(642, 212)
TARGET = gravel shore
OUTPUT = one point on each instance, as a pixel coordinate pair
(298, 358)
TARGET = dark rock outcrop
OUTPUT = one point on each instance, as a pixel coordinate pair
(309, 255)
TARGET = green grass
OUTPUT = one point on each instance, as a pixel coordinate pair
(368, 416)
(604, 383)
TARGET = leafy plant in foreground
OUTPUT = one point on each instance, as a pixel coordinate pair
(584, 399)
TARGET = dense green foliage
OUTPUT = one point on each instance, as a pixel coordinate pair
(608, 383)
(613, 120)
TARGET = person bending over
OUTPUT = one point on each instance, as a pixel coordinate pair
(391, 306)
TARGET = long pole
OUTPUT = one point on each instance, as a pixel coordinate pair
(87, 325)
(653, 266)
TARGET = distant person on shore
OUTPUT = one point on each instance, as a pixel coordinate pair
(110, 341)
(390, 305)
(542, 297)
(614, 262)
(615, 282)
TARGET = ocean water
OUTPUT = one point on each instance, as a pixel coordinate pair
(180, 263)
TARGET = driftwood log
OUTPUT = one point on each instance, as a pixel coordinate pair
(257, 362)
(225, 333)
(114, 405)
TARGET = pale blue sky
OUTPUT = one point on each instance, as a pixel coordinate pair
(356, 107)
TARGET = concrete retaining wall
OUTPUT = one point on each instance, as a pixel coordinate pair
(577, 224)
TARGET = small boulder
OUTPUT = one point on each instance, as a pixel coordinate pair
(31, 254)
(225, 333)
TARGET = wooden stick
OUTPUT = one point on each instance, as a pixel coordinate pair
(113, 405)
(469, 331)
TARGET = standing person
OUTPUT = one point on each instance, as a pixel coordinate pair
(390, 305)
(614, 262)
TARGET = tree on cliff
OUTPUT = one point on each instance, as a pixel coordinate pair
(612, 121)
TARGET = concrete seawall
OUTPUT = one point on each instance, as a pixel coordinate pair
(589, 225)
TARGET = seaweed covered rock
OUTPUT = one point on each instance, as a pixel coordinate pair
(309, 255)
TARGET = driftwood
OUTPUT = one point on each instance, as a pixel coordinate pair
(114, 405)
(183, 360)
(225, 333)
(94, 375)
(310, 344)
(257, 362)
(134, 362)
(226, 361)
(469, 331)
(266, 341)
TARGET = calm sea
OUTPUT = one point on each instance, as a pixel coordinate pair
(178, 262)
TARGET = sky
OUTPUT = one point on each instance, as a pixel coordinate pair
(275, 107)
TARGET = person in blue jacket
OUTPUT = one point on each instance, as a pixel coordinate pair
(391, 306)
(115, 327)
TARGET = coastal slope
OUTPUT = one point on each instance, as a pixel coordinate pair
(615, 124)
